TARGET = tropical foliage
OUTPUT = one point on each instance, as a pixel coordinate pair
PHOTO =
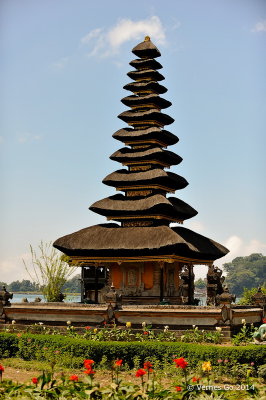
(245, 272)
(49, 271)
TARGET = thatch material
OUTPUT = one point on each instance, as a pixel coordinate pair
(146, 73)
(146, 49)
(135, 100)
(147, 115)
(119, 205)
(156, 176)
(145, 63)
(153, 133)
(154, 86)
(151, 154)
(110, 240)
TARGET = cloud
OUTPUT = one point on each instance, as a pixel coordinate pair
(27, 137)
(60, 64)
(104, 43)
(259, 27)
(239, 248)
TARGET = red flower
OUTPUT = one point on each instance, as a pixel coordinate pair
(88, 363)
(89, 371)
(2, 368)
(194, 379)
(181, 362)
(74, 378)
(34, 380)
(264, 320)
(140, 372)
(118, 363)
(87, 328)
(148, 365)
(145, 333)
(178, 388)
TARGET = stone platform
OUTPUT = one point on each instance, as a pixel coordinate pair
(175, 316)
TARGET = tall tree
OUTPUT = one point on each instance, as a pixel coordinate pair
(246, 272)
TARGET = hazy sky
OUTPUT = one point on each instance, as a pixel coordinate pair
(63, 67)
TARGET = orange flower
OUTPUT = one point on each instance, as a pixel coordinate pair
(89, 371)
(140, 372)
(74, 378)
(34, 380)
(88, 363)
(118, 363)
(87, 328)
(145, 333)
(178, 388)
(194, 379)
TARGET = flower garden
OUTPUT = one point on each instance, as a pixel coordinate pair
(111, 362)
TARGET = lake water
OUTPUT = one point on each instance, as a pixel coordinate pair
(17, 298)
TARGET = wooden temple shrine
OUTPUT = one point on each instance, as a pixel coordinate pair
(138, 267)
(138, 251)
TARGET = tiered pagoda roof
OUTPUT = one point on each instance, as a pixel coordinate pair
(143, 207)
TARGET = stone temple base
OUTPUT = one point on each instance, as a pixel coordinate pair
(175, 316)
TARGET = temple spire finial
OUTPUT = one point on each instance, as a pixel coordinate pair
(147, 39)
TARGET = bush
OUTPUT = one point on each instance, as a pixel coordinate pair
(70, 352)
(262, 372)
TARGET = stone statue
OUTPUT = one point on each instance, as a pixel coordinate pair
(5, 296)
(260, 335)
(214, 284)
(184, 284)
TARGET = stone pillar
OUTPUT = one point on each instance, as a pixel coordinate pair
(191, 286)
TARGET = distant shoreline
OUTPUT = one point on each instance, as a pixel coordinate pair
(39, 293)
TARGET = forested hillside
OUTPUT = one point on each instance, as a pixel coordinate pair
(245, 272)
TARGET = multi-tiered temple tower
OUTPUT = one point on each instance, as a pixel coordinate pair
(146, 258)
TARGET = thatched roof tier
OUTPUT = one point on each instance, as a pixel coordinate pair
(146, 74)
(126, 154)
(150, 135)
(145, 63)
(111, 240)
(146, 49)
(153, 115)
(149, 100)
(149, 86)
(119, 205)
(125, 178)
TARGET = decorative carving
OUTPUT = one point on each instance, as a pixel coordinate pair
(132, 277)
(140, 168)
(225, 297)
(135, 193)
(137, 223)
(140, 146)
(259, 298)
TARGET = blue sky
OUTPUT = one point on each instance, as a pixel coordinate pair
(63, 69)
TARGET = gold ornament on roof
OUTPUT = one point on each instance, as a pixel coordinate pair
(147, 39)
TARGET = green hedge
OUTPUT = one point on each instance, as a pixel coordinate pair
(69, 351)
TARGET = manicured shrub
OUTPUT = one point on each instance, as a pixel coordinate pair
(71, 351)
